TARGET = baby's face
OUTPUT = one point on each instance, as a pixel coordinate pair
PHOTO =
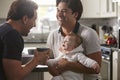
(68, 44)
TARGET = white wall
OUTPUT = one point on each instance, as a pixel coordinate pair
(4, 7)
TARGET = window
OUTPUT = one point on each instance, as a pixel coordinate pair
(46, 14)
(46, 21)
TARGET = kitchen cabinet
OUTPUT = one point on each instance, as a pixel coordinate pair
(105, 70)
(40, 72)
(4, 7)
(119, 64)
(115, 65)
(38, 76)
(34, 76)
(109, 65)
(47, 76)
(119, 10)
(99, 9)
(92, 9)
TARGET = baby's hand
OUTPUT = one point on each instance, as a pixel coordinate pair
(96, 67)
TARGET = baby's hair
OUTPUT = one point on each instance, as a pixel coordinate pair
(78, 39)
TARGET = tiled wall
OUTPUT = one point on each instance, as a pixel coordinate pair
(99, 22)
(88, 22)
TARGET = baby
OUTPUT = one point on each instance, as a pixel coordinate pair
(71, 49)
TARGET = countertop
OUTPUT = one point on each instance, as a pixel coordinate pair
(41, 68)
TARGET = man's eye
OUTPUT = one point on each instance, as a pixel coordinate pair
(64, 11)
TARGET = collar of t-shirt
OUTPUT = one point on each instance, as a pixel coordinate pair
(77, 25)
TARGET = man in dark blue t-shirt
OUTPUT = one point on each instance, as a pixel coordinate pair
(11, 45)
(20, 19)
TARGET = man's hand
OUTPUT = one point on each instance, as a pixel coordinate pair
(62, 65)
(41, 57)
(53, 71)
(59, 68)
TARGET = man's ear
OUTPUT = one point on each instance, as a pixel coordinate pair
(75, 14)
(25, 19)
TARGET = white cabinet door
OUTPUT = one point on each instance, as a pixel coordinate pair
(118, 10)
(108, 8)
(91, 9)
(99, 9)
(47, 76)
(115, 65)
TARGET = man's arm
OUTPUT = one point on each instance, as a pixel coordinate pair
(64, 65)
(15, 71)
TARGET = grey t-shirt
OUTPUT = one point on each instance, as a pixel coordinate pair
(90, 43)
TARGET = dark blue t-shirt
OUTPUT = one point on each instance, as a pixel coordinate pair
(11, 45)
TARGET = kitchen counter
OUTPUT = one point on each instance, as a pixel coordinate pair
(35, 44)
(38, 73)
(41, 68)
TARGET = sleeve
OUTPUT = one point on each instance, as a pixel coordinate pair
(52, 62)
(85, 60)
(91, 42)
(50, 43)
(13, 45)
(50, 40)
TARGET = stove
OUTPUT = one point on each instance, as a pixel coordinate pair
(106, 53)
(106, 69)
